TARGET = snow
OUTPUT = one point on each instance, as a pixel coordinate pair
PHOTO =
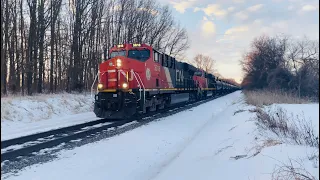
(27, 115)
(308, 111)
(210, 141)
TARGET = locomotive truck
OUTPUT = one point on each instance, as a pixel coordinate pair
(138, 78)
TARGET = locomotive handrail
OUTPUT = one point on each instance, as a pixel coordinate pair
(138, 84)
(94, 82)
(144, 91)
(134, 74)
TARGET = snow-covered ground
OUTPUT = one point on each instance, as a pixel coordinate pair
(212, 141)
(31, 114)
(309, 112)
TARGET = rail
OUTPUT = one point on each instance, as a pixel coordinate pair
(95, 79)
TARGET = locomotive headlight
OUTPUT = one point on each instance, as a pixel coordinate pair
(119, 63)
(125, 85)
(100, 86)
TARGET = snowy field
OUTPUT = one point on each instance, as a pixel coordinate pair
(216, 140)
(28, 115)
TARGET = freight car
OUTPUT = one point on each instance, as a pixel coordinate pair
(137, 78)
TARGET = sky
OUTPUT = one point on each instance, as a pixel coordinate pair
(224, 29)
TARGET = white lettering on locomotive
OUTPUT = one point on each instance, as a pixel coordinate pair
(157, 68)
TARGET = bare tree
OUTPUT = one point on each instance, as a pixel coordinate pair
(205, 63)
(5, 15)
(54, 12)
(177, 42)
(304, 56)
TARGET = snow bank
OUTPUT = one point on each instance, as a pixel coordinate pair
(308, 112)
(216, 140)
(23, 114)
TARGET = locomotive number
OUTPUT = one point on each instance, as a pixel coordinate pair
(157, 68)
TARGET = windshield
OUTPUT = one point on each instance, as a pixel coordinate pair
(198, 73)
(141, 55)
(117, 53)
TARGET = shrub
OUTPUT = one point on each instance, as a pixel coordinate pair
(296, 129)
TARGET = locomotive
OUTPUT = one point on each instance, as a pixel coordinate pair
(137, 78)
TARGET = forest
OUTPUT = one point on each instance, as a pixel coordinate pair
(283, 63)
(50, 46)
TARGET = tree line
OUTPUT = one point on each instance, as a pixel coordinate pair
(283, 63)
(207, 63)
(57, 45)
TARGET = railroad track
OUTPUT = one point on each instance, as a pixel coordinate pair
(31, 144)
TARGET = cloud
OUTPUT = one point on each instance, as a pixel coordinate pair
(309, 7)
(255, 7)
(196, 9)
(242, 15)
(291, 7)
(238, 29)
(208, 27)
(214, 9)
(282, 26)
(182, 5)
(239, 1)
(257, 21)
(230, 9)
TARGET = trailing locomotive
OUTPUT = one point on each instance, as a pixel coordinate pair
(138, 78)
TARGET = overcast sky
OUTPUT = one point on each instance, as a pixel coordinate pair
(224, 29)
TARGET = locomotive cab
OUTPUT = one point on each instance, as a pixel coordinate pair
(125, 63)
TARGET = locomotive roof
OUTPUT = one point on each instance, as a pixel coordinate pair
(161, 52)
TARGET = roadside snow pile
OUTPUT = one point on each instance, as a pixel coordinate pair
(219, 139)
(22, 114)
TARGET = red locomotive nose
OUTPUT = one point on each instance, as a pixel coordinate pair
(114, 73)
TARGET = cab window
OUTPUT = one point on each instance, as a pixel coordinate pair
(156, 56)
(198, 73)
(141, 55)
(117, 53)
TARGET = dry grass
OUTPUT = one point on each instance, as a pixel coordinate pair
(291, 129)
(291, 171)
(295, 128)
(263, 97)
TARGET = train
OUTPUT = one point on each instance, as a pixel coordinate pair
(138, 78)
